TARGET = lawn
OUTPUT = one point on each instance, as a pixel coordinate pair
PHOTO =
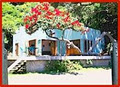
(86, 76)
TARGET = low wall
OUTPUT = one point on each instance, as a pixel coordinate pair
(39, 65)
(96, 62)
(35, 65)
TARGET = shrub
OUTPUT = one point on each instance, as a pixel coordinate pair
(58, 66)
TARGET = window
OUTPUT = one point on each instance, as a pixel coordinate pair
(91, 43)
(49, 47)
(87, 45)
(16, 49)
(32, 47)
(76, 43)
(49, 44)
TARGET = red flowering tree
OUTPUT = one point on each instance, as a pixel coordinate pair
(47, 17)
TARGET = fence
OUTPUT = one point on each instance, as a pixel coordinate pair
(4, 64)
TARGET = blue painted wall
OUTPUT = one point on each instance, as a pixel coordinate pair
(74, 35)
(22, 38)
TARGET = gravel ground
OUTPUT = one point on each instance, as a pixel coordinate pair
(93, 77)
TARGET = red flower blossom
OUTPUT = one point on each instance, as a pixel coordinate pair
(66, 19)
(62, 14)
(30, 18)
(46, 6)
(36, 11)
(39, 13)
(48, 17)
(58, 25)
(76, 23)
(43, 11)
(32, 23)
(57, 12)
(34, 15)
(26, 19)
(26, 26)
(73, 23)
(35, 19)
(33, 10)
(49, 13)
(67, 13)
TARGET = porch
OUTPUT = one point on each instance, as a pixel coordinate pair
(38, 63)
(51, 47)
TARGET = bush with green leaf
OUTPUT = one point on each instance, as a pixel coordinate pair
(59, 66)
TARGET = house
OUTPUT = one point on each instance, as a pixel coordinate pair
(51, 49)
(49, 46)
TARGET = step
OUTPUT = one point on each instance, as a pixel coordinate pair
(16, 65)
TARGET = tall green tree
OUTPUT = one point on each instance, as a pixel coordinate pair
(101, 16)
(105, 18)
(12, 19)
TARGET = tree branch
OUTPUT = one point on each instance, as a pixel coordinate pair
(50, 35)
(66, 40)
(73, 45)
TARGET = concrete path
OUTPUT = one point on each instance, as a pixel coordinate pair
(95, 77)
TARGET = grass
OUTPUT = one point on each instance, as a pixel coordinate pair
(72, 71)
(95, 68)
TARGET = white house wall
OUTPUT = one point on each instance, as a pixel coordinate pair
(22, 38)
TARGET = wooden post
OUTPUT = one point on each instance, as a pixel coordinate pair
(115, 64)
(4, 64)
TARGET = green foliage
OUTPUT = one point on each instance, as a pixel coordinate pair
(105, 18)
(58, 66)
(102, 16)
(12, 19)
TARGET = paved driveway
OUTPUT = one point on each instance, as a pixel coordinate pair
(95, 77)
